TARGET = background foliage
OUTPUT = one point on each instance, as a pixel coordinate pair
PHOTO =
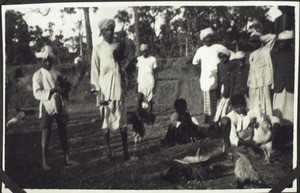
(176, 35)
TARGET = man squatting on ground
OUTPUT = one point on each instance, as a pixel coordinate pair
(106, 82)
(237, 127)
(52, 104)
(183, 128)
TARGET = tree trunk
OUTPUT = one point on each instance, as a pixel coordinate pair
(180, 50)
(80, 44)
(137, 34)
(88, 34)
(186, 46)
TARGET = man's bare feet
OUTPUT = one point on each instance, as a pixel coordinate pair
(46, 167)
(71, 163)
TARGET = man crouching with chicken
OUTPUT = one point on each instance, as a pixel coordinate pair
(251, 128)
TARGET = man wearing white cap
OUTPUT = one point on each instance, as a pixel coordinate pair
(225, 69)
(107, 84)
(46, 89)
(284, 73)
(207, 57)
(260, 79)
(146, 78)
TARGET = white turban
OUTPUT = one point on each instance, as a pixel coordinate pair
(45, 52)
(255, 36)
(286, 35)
(206, 32)
(104, 23)
(144, 47)
(239, 55)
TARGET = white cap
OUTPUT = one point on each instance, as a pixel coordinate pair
(45, 52)
(205, 32)
(239, 55)
(144, 47)
(225, 51)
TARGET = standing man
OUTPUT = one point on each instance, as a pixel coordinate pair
(146, 78)
(225, 82)
(286, 21)
(260, 79)
(46, 89)
(107, 84)
(207, 57)
(284, 73)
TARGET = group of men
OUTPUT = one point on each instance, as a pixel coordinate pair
(265, 74)
(269, 82)
(108, 83)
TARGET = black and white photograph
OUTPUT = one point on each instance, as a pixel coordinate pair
(155, 96)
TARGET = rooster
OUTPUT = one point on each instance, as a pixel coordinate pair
(137, 128)
(137, 120)
(263, 133)
(245, 171)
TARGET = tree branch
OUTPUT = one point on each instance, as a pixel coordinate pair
(37, 10)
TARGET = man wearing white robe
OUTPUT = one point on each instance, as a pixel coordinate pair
(107, 84)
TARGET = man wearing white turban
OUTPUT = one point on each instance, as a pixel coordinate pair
(47, 89)
(207, 57)
(106, 82)
(284, 73)
(225, 69)
(146, 78)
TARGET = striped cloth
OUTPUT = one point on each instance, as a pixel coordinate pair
(210, 104)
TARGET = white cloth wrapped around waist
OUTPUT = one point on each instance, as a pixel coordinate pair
(53, 106)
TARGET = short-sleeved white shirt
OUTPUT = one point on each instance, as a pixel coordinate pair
(209, 65)
(146, 68)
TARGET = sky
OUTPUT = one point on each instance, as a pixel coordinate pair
(68, 22)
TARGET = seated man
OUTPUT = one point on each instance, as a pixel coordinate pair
(238, 126)
(182, 128)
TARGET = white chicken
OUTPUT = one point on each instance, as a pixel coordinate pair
(263, 133)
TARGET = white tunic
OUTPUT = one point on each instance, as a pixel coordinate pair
(42, 82)
(105, 74)
(106, 80)
(145, 78)
(209, 69)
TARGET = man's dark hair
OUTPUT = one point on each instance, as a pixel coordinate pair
(48, 59)
(180, 102)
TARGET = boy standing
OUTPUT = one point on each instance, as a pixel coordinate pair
(46, 89)
(146, 78)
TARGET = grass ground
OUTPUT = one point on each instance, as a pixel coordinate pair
(176, 79)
